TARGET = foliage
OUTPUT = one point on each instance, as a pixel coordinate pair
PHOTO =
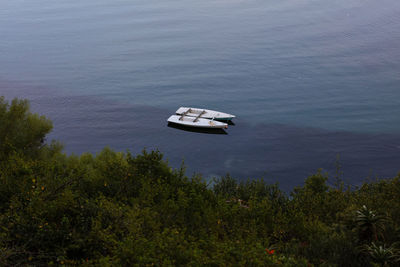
(21, 131)
(382, 255)
(369, 224)
(119, 209)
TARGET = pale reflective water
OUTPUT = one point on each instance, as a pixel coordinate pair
(307, 79)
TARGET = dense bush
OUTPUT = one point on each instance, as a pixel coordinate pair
(117, 209)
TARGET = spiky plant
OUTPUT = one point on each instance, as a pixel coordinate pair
(370, 224)
(382, 255)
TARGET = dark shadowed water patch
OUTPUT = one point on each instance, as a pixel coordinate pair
(24, 90)
(197, 130)
(277, 153)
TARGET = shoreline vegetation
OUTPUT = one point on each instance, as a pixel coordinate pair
(117, 209)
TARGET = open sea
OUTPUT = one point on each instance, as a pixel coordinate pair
(312, 82)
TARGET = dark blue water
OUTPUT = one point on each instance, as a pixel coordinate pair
(308, 80)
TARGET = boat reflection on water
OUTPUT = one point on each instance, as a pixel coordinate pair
(197, 130)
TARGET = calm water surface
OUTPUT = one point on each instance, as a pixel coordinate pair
(308, 80)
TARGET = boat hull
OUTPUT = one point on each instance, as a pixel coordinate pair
(197, 122)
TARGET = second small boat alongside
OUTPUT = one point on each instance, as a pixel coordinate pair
(197, 122)
(204, 113)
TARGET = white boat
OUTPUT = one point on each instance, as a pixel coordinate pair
(204, 113)
(196, 122)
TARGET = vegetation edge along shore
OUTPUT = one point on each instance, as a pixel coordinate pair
(117, 209)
